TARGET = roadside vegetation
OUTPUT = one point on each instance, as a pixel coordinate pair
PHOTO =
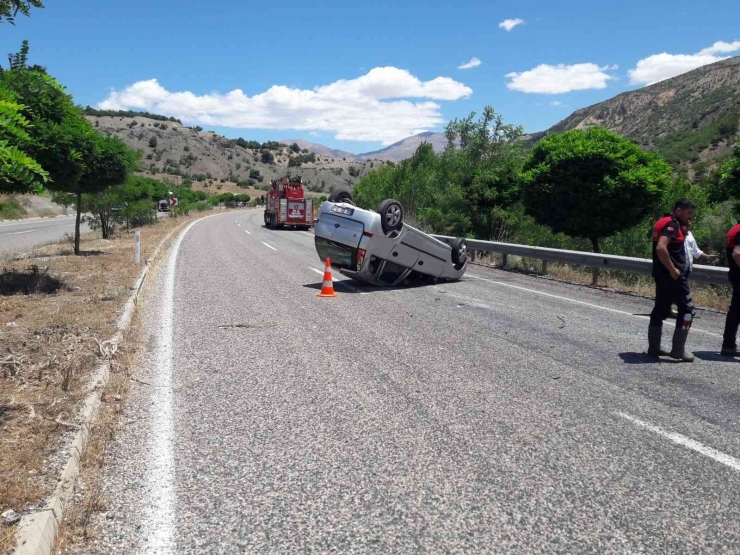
(579, 190)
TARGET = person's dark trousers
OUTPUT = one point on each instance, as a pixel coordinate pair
(667, 292)
(733, 319)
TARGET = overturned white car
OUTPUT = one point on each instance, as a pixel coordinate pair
(379, 248)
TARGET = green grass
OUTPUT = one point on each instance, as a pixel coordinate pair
(11, 209)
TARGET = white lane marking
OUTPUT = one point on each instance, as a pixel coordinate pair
(159, 524)
(342, 282)
(247, 232)
(687, 442)
(239, 225)
(22, 232)
(268, 246)
(34, 221)
(584, 303)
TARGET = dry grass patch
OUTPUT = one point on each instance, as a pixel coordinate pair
(55, 308)
(712, 297)
(89, 498)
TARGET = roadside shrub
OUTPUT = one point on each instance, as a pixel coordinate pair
(11, 209)
(267, 157)
(153, 142)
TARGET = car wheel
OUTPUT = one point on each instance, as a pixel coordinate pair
(391, 215)
(459, 252)
(341, 195)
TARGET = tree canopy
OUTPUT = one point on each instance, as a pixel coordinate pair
(592, 183)
(9, 9)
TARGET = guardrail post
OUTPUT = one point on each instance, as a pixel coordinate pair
(137, 250)
(544, 267)
(505, 261)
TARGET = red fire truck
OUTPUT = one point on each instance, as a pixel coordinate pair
(286, 204)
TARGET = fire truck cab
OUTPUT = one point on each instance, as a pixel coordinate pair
(286, 204)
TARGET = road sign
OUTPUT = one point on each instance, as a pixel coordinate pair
(173, 201)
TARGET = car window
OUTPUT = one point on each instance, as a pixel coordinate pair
(391, 272)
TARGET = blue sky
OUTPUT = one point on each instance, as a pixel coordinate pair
(199, 52)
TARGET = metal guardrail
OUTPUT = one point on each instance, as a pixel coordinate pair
(704, 274)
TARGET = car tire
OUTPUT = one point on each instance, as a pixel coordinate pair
(341, 195)
(459, 252)
(391, 215)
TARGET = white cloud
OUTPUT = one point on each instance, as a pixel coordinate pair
(547, 79)
(373, 107)
(556, 103)
(664, 66)
(474, 62)
(509, 24)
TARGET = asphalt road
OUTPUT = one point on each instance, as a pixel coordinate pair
(26, 234)
(502, 413)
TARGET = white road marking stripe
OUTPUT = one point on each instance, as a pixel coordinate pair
(239, 225)
(687, 442)
(584, 303)
(22, 232)
(268, 246)
(159, 526)
(247, 232)
(340, 282)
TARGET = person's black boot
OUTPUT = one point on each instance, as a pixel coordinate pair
(655, 333)
(679, 351)
(730, 352)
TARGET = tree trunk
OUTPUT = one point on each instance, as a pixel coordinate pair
(595, 272)
(77, 223)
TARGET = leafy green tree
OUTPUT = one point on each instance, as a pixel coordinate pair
(107, 161)
(485, 157)
(295, 148)
(728, 177)
(19, 173)
(9, 9)
(267, 157)
(592, 184)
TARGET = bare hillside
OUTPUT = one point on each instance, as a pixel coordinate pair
(689, 119)
(172, 149)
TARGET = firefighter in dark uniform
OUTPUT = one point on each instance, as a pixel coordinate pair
(670, 267)
(732, 247)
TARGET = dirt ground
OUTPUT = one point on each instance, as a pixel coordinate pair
(55, 311)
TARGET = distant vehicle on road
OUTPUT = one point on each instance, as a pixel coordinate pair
(379, 248)
(163, 206)
(287, 205)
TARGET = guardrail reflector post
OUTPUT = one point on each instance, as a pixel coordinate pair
(137, 250)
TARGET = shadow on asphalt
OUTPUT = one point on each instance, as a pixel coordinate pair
(354, 287)
(301, 228)
(642, 358)
(714, 356)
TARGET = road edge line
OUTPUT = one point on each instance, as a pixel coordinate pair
(37, 531)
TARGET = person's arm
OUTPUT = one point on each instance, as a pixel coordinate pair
(736, 254)
(708, 257)
(665, 257)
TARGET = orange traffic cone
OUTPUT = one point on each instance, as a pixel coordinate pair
(327, 288)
